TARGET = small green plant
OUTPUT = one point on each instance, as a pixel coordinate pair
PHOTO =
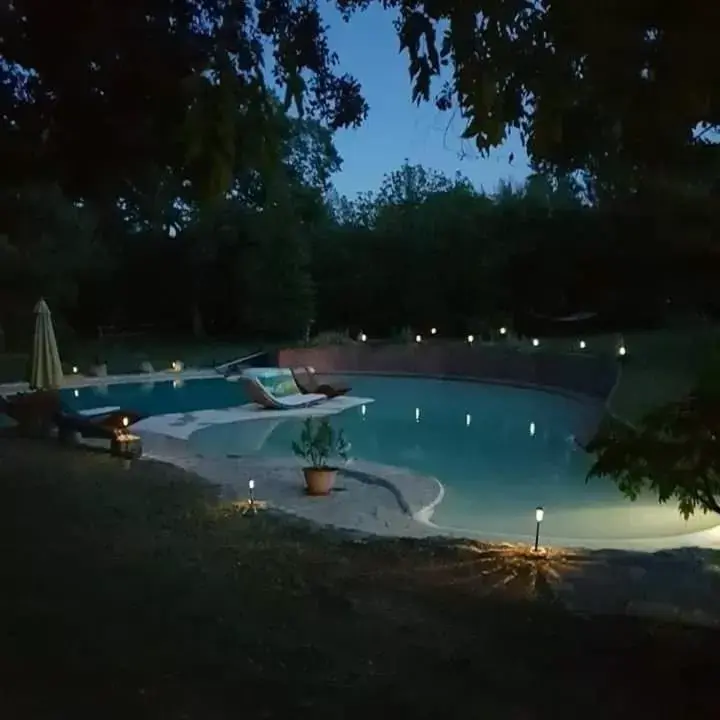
(318, 442)
(406, 335)
(332, 337)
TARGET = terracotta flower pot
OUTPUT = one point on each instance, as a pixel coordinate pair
(319, 481)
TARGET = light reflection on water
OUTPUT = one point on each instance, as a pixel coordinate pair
(499, 452)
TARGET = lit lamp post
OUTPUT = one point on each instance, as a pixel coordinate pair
(539, 515)
(251, 505)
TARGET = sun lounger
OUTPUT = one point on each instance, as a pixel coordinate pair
(32, 411)
(306, 380)
(276, 389)
(42, 409)
(102, 423)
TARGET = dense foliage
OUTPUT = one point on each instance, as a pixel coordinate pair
(280, 255)
(152, 173)
(90, 93)
(626, 91)
(619, 88)
(673, 452)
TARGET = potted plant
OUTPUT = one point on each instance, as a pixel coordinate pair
(318, 443)
(99, 368)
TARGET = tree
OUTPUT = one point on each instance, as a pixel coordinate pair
(47, 244)
(627, 91)
(92, 93)
(674, 452)
(624, 91)
(276, 285)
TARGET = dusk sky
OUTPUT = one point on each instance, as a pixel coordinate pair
(395, 128)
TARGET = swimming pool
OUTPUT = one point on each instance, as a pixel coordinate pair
(499, 451)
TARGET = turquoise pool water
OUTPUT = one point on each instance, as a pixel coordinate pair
(499, 451)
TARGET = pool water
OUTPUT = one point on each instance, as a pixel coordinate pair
(499, 451)
(160, 398)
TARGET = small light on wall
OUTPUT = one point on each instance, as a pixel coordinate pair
(503, 331)
(418, 338)
(471, 339)
(532, 429)
(363, 337)
(433, 331)
(582, 344)
(417, 414)
(468, 420)
(535, 342)
(75, 369)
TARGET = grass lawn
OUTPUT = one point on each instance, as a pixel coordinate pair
(661, 365)
(134, 592)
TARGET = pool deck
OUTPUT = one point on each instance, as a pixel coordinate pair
(370, 498)
(669, 579)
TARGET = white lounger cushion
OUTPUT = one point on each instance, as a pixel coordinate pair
(99, 411)
(300, 400)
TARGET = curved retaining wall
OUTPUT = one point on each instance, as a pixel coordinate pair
(574, 372)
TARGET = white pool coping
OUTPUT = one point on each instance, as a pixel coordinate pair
(377, 499)
(77, 380)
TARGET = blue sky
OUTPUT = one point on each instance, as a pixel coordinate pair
(395, 128)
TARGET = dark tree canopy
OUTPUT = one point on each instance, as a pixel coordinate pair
(91, 92)
(618, 87)
(626, 90)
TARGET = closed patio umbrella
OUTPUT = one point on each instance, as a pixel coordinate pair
(46, 370)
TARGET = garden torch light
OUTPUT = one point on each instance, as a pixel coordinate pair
(433, 331)
(251, 505)
(503, 331)
(583, 344)
(535, 342)
(363, 337)
(539, 515)
(418, 338)
(471, 339)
